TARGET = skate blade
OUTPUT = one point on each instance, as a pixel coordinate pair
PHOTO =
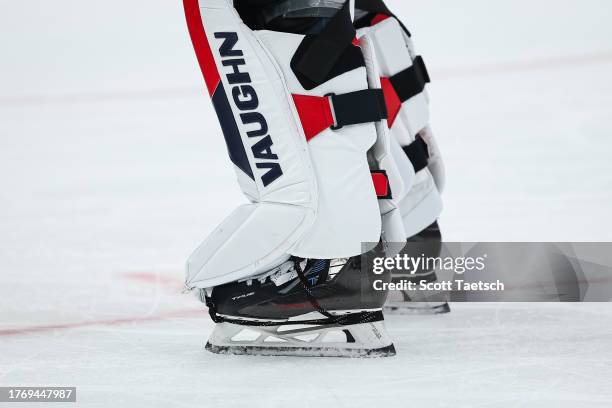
(387, 351)
(406, 309)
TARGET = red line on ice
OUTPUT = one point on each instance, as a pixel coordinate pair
(503, 67)
(109, 322)
(153, 278)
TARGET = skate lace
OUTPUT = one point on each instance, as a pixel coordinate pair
(362, 317)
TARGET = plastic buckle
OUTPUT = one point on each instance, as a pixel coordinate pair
(335, 126)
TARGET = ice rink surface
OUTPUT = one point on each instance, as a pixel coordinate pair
(113, 168)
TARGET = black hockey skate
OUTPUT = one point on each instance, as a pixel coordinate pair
(429, 243)
(321, 308)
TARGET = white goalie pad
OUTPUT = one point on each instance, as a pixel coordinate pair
(215, 261)
(309, 199)
(339, 158)
(415, 110)
(421, 204)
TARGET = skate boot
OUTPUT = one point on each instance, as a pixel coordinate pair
(429, 244)
(320, 308)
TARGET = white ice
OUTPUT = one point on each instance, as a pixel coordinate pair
(113, 168)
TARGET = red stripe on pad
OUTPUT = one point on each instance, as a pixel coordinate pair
(315, 114)
(392, 100)
(201, 45)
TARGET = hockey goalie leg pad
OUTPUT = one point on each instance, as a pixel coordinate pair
(264, 144)
(403, 77)
(405, 86)
(309, 181)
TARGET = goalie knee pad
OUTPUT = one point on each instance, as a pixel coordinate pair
(302, 120)
(403, 79)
